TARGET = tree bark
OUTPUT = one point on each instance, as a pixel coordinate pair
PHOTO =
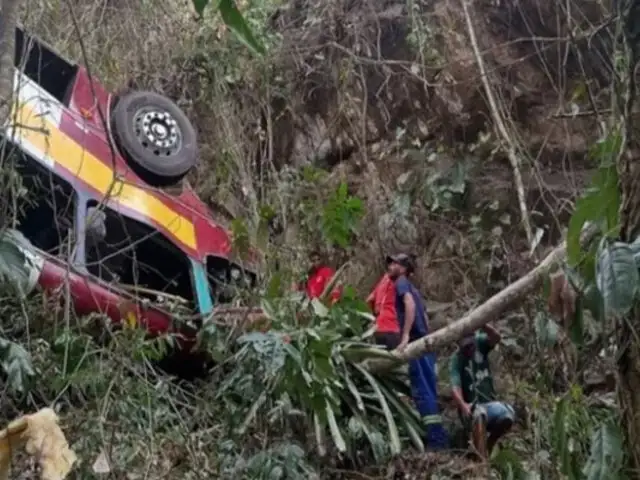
(8, 23)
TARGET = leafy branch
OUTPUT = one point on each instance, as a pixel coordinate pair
(233, 19)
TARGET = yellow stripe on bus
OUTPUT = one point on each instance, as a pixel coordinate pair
(42, 134)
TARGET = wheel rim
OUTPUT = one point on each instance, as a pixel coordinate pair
(157, 131)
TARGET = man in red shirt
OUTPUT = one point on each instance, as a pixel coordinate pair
(319, 277)
(382, 302)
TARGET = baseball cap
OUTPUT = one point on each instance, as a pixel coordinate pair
(407, 261)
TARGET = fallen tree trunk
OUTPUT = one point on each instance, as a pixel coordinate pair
(505, 300)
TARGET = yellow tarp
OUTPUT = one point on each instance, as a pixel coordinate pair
(41, 438)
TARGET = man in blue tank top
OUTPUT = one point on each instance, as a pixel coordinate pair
(413, 325)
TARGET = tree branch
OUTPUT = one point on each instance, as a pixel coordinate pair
(502, 131)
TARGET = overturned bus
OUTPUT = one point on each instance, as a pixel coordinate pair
(87, 158)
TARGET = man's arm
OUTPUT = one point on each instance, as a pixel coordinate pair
(456, 385)
(371, 301)
(409, 315)
(403, 291)
(493, 336)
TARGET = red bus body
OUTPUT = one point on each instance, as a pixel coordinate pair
(79, 127)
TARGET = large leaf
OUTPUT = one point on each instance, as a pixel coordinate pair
(617, 277)
(600, 205)
(236, 22)
(233, 19)
(546, 330)
(559, 436)
(15, 265)
(605, 460)
(200, 5)
(338, 439)
(394, 437)
(16, 362)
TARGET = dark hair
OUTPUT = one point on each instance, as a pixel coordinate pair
(408, 261)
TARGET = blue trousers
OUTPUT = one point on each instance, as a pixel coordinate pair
(424, 390)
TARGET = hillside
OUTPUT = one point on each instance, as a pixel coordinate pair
(477, 173)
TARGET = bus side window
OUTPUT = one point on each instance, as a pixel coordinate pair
(46, 213)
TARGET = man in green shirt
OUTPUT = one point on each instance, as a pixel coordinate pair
(473, 390)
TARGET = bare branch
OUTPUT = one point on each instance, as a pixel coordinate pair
(8, 22)
(501, 130)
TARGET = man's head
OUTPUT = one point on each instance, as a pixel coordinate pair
(400, 264)
(467, 345)
(315, 259)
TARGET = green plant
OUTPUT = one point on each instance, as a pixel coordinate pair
(310, 371)
(341, 215)
(605, 273)
(585, 443)
(232, 17)
(279, 462)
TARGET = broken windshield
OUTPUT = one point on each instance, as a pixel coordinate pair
(228, 281)
(124, 251)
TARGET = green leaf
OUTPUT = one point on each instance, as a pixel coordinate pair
(546, 330)
(319, 309)
(240, 237)
(16, 362)
(319, 434)
(600, 205)
(606, 150)
(341, 216)
(394, 437)
(16, 265)
(576, 329)
(338, 439)
(617, 277)
(354, 391)
(375, 438)
(605, 460)
(508, 463)
(411, 420)
(560, 438)
(592, 301)
(236, 22)
(200, 5)
(252, 412)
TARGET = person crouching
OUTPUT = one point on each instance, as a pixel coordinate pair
(473, 391)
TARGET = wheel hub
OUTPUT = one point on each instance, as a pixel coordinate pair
(157, 131)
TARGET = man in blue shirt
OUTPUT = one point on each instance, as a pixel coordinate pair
(413, 325)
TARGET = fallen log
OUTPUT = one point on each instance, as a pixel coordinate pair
(505, 300)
